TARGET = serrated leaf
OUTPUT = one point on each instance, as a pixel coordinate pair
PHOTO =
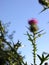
(43, 56)
(47, 56)
(44, 9)
(39, 57)
(39, 31)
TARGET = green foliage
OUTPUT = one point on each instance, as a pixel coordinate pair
(32, 38)
(8, 52)
(43, 58)
(45, 4)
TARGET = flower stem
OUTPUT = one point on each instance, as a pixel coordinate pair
(34, 49)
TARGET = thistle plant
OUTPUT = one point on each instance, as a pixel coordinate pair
(45, 4)
(33, 28)
(9, 54)
(43, 58)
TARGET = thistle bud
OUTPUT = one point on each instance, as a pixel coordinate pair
(33, 25)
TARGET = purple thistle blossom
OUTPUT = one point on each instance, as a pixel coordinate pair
(32, 21)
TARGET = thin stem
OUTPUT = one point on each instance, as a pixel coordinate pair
(34, 49)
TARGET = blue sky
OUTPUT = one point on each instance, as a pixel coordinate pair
(18, 12)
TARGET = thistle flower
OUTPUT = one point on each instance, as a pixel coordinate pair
(32, 21)
(33, 25)
(44, 2)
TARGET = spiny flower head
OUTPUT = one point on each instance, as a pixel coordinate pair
(32, 21)
(33, 25)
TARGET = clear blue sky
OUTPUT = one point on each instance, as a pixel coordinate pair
(18, 12)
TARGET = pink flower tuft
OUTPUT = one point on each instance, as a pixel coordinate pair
(32, 21)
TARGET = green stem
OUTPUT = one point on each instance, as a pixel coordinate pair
(34, 49)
